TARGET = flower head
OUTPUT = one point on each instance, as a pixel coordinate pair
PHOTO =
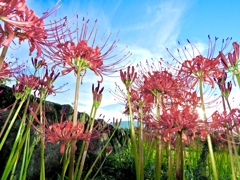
(231, 58)
(195, 66)
(224, 87)
(5, 71)
(64, 131)
(128, 76)
(81, 53)
(162, 82)
(174, 120)
(226, 120)
(21, 22)
(97, 95)
(46, 82)
(29, 81)
(231, 62)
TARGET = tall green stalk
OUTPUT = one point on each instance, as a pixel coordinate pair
(30, 152)
(8, 118)
(133, 138)
(12, 122)
(230, 134)
(14, 151)
(158, 139)
(75, 116)
(81, 150)
(42, 169)
(140, 143)
(25, 157)
(14, 158)
(100, 154)
(231, 156)
(89, 129)
(208, 135)
(170, 166)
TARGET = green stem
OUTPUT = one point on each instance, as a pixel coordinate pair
(99, 168)
(77, 169)
(9, 116)
(231, 156)
(158, 139)
(25, 157)
(10, 163)
(35, 141)
(75, 116)
(140, 139)
(16, 155)
(79, 159)
(238, 79)
(208, 135)
(11, 124)
(133, 137)
(92, 119)
(170, 169)
(42, 171)
(100, 154)
(230, 133)
(82, 146)
(66, 161)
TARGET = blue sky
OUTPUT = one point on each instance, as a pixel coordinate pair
(146, 27)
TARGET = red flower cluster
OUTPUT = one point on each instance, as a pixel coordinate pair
(22, 23)
(200, 67)
(226, 121)
(82, 54)
(174, 120)
(65, 132)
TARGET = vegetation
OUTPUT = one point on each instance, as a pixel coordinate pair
(178, 135)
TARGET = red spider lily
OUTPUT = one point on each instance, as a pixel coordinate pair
(200, 67)
(97, 95)
(194, 67)
(38, 64)
(46, 82)
(65, 131)
(162, 82)
(30, 81)
(184, 97)
(83, 53)
(5, 71)
(221, 81)
(174, 120)
(162, 85)
(128, 77)
(22, 23)
(18, 90)
(139, 99)
(224, 120)
(142, 98)
(233, 58)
